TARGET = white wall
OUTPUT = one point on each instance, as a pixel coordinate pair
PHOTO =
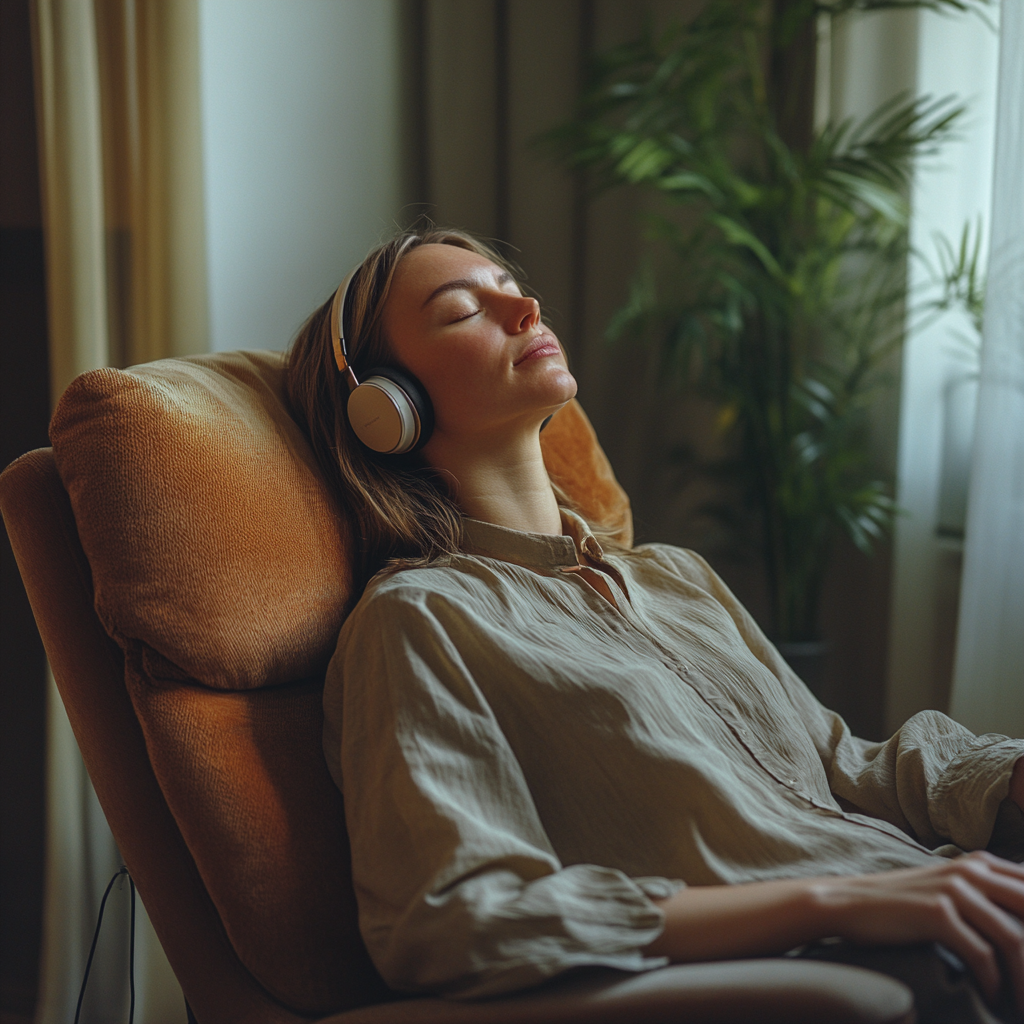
(301, 155)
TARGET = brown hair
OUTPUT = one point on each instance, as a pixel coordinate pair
(399, 507)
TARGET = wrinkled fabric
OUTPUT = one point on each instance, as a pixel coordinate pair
(527, 764)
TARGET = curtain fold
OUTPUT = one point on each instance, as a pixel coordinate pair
(117, 83)
(71, 166)
(988, 688)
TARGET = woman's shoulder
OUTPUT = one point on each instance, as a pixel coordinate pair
(393, 588)
(401, 584)
(398, 597)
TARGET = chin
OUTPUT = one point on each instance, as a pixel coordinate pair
(565, 387)
(563, 400)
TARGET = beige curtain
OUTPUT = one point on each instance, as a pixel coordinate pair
(959, 55)
(118, 89)
(495, 74)
(122, 181)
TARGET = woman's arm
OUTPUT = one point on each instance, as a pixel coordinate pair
(972, 905)
(933, 778)
(460, 889)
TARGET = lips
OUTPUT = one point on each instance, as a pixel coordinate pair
(541, 346)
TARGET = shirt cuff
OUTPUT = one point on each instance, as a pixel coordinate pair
(494, 933)
(970, 791)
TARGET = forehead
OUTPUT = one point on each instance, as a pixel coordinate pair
(420, 271)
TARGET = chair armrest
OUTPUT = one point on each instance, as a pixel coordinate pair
(769, 991)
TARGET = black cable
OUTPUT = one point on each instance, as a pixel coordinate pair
(131, 952)
(95, 938)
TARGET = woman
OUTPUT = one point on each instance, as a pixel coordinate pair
(558, 753)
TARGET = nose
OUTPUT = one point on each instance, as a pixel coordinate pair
(523, 313)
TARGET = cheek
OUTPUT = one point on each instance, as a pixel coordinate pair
(463, 372)
(465, 382)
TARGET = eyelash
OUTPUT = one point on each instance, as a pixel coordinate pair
(459, 319)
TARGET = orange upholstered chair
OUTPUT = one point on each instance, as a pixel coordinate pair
(188, 570)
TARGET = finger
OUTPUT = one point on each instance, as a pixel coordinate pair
(967, 942)
(1000, 865)
(1006, 889)
(990, 860)
(998, 928)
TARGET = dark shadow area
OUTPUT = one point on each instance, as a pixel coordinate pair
(24, 414)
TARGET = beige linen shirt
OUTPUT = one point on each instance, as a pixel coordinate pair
(525, 764)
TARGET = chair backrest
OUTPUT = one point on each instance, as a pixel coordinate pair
(217, 560)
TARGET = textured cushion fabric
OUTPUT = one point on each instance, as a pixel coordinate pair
(220, 563)
(211, 536)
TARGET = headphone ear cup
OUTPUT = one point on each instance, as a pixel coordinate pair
(391, 412)
(418, 399)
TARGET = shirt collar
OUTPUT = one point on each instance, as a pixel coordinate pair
(533, 550)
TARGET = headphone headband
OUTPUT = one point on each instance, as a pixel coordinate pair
(389, 411)
(338, 330)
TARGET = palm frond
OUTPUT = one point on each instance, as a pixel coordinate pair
(782, 291)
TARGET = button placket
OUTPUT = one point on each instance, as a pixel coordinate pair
(715, 700)
(626, 616)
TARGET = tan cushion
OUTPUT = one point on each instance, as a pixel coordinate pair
(220, 563)
(89, 670)
(769, 991)
(576, 462)
(210, 533)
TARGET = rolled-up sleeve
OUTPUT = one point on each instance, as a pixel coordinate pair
(459, 889)
(933, 778)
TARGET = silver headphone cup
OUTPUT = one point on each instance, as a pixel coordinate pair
(383, 417)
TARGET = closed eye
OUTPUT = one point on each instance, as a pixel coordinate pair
(459, 319)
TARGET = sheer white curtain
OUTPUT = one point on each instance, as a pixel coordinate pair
(988, 689)
(950, 54)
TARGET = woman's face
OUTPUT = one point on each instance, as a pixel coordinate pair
(459, 323)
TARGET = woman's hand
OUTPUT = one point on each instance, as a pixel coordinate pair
(973, 905)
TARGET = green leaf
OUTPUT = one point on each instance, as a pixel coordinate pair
(880, 198)
(737, 234)
(645, 160)
(688, 181)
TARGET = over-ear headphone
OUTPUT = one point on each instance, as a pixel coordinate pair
(389, 411)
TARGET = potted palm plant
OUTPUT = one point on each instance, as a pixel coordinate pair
(784, 295)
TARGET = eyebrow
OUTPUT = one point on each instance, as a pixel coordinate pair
(465, 282)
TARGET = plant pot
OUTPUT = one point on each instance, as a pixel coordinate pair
(808, 659)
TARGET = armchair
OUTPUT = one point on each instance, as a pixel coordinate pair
(187, 568)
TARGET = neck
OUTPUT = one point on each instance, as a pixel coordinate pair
(505, 484)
